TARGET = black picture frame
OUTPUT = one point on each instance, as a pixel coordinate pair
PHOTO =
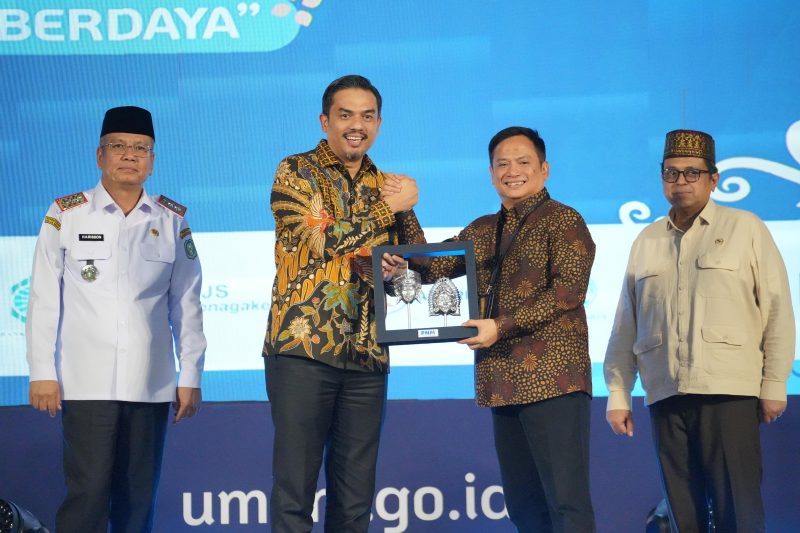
(426, 335)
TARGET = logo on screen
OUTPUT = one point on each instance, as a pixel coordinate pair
(19, 299)
(43, 27)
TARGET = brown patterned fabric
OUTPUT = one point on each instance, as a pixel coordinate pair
(543, 346)
(689, 143)
(325, 225)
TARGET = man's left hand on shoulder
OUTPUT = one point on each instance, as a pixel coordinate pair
(487, 333)
(187, 403)
(770, 410)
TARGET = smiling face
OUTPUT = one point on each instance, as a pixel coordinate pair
(125, 171)
(517, 173)
(352, 124)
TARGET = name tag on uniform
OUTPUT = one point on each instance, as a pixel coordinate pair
(92, 237)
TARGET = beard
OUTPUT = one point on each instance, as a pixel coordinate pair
(353, 156)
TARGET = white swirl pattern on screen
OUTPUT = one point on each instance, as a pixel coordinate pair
(731, 188)
(735, 188)
(633, 212)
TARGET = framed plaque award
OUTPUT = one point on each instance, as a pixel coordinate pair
(410, 309)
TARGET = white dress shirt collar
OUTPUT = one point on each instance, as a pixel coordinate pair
(101, 199)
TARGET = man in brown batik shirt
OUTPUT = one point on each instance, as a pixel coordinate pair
(532, 363)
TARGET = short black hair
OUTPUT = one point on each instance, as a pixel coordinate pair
(351, 81)
(513, 131)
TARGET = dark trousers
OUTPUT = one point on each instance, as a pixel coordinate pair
(543, 450)
(709, 450)
(316, 407)
(112, 461)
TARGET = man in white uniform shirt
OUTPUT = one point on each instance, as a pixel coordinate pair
(706, 320)
(115, 281)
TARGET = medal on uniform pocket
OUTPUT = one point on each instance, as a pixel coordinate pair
(89, 272)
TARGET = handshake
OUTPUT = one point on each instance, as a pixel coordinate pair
(400, 192)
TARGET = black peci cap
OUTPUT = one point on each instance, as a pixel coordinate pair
(128, 119)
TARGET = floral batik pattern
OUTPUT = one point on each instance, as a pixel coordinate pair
(326, 224)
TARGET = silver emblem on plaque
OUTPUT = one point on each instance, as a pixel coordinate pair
(408, 286)
(444, 299)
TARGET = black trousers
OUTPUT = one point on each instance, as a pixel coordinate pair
(112, 462)
(709, 451)
(316, 407)
(543, 450)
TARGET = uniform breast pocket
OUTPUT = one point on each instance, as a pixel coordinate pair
(90, 261)
(158, 253)
(717, 274)
(650, 285)
(90, 251)
(156, 264)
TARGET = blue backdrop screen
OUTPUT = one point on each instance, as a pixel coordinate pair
(234, 87)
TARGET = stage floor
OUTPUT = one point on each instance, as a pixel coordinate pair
(437, 470)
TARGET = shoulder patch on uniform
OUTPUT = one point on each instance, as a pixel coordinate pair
(189, 248)
(184, 232)
(53, 222)
(172, 205)
(71, 200)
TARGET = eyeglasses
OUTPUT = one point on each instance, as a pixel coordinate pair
(139, 150)
(670, 175)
